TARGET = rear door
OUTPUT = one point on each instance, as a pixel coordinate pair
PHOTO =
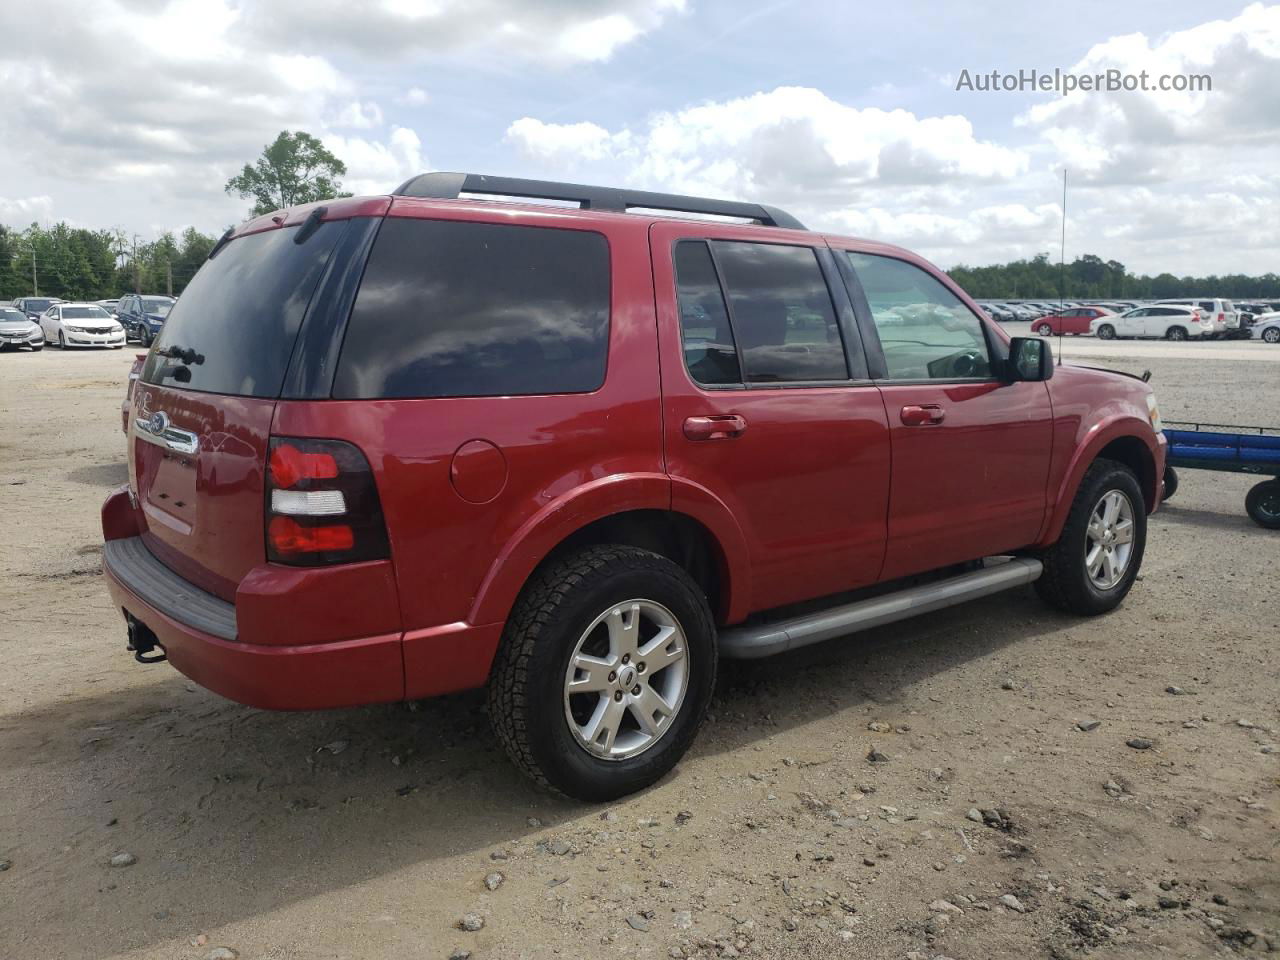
(203, 406)
(767, 404)
(970, 452)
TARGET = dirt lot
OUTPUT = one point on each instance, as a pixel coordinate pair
(370, 833)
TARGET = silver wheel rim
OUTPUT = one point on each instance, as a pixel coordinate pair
(626, 680)
(1109, 541)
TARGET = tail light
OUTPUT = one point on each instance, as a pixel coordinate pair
(322, 504)
(1195, 317)
(1222, 318)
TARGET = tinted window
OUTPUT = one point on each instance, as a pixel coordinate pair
(926, 332)
(782, 315)
(38, 305)
(1206, 305)
(241, 314)
(85, 313)
(709, 350)
(455, 309)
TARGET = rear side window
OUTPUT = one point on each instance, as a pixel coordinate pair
(232, 331)
(709, 350)
(458, 309)
(782, 314)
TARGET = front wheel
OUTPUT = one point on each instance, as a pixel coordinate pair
(144, 337)
(604, 673)
(62, 340)
(1263, 504)
(1271, 335)
(1044, 330)
(1106, 332)
(1170, 484)
(1092, 567)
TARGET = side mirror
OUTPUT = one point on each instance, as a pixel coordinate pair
(1030, 360)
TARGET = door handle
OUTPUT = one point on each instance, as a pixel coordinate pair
(923, 415)
(715, 428)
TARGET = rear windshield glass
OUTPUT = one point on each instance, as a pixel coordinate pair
(461, 309)
(233, 329)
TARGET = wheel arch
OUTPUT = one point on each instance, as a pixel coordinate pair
(635, 510)
(1125, 439)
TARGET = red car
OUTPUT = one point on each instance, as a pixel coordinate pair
(1072, 320)
(392, 447)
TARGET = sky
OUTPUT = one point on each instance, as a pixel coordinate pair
(132, 114)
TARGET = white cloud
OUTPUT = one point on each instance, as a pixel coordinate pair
(21, 211)
(358, 116)
(548, 30)
(560, 141)
(375, 167)
(1152, 136)
(414, 97)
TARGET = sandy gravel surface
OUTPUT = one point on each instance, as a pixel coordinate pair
(370, 833)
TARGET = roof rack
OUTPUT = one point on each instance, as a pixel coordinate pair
(448, 186)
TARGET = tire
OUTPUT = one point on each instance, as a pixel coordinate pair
(1170, 484)
(1106, 332)
(144, 337)
(566, 606)
(1176, 333)
(1271, 335)
(1067, 582)
(1044, 330)
(1263, 504)
(62, 340)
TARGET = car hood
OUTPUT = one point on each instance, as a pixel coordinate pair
(16, 326)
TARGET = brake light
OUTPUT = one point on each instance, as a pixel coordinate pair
(322, 504)
(1222, 318)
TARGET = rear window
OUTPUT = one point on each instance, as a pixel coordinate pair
(460, 309)
(236, 322)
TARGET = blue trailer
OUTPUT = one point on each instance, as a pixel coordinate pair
(1211, 446)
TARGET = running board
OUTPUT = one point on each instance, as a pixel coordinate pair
(752, 641)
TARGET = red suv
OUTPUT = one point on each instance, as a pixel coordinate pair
(392, 447)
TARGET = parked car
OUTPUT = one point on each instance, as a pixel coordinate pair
(392, 447)
(1222, 314)
(108, 305)
(17, 330)
(143, 316)
(131, 384)
(997, 312)
(1072, 320)
(1160, 322)
(1266, 327)
(33, 307)
(81, 325)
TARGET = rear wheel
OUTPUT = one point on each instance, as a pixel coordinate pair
(1271, 335)
(605, 672)
(1263, 504)
(1176, 333)
(1092, 567)
(1106, 332)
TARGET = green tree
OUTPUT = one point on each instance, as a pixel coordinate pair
(296, 168)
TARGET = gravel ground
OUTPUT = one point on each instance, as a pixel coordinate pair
(144, 817)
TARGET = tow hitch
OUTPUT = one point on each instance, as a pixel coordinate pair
(142, 641)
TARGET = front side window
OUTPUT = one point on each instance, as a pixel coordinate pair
(925, 331)
(781, 312)
(452, 308)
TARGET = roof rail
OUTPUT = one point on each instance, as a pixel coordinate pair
(448, 186)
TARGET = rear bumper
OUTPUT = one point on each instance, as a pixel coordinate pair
(198, 634)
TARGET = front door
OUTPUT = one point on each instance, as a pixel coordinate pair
(970, 451)
(767, 405)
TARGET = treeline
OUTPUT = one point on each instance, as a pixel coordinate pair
(78, 264)
(1091, 277)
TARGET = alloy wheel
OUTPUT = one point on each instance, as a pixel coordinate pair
(1109, 540)
(626, 680)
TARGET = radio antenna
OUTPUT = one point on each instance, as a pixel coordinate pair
(1062, 267)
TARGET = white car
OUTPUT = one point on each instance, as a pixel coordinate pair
(1154, 322)
(1221, 313)
(1266, 328)
(81, 325)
